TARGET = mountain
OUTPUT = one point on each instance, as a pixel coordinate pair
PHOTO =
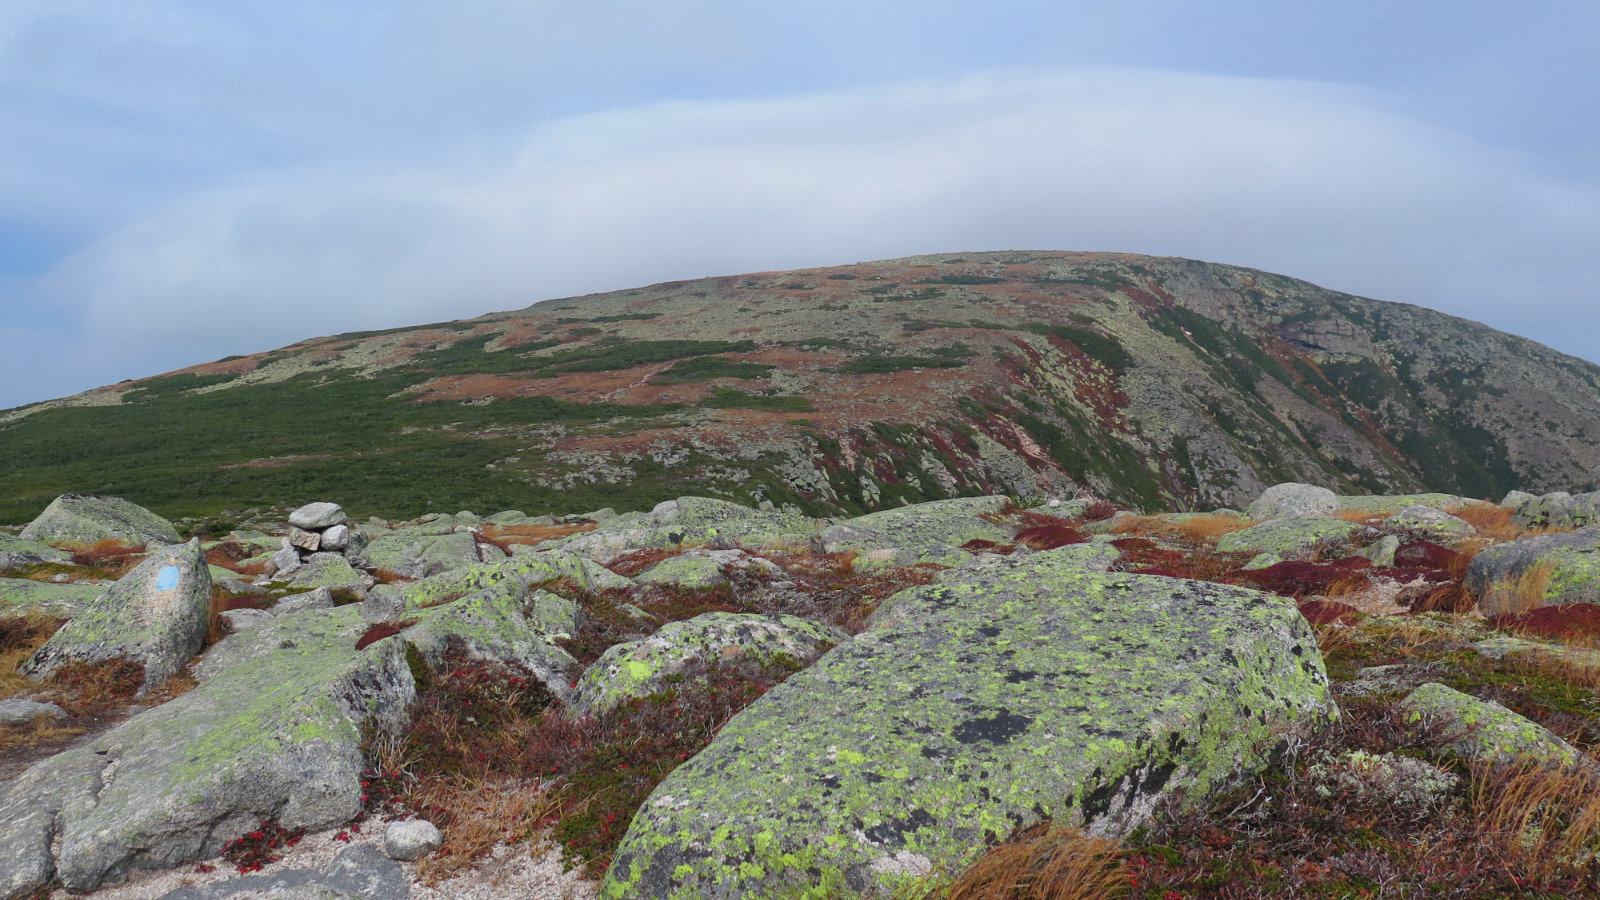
(1154, 382)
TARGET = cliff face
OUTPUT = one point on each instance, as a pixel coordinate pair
(1152, 381)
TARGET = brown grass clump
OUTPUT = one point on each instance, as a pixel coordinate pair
(20, 637)
(112, 556)
(1522, 594)
(484, 815)
(507, 536)
(1206, 529)
(1542, 820)
(1491, 522)
(1044, 862)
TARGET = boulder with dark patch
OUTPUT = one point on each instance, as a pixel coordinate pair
(1542, 570)
(971, 708)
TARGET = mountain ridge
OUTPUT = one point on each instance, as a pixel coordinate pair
(1154, 381)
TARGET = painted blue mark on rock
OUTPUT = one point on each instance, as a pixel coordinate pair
(167, 578)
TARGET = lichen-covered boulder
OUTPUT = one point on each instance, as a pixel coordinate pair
(971, 708)
(1428, 522)
(1389, 504)
(157, 615)
(694, 521)
(1293, 500)
(330, 570)
(684, 571)
(1543, 570)
(22, 595)
(1558, 509)
(1489, 731)
(1381, 552)
(82, 519)
(394, 602)
(922, 525)
(16, 552)
(273, 731)
(421, 551)
(1292, 538)
(641, 668)
(490, 624)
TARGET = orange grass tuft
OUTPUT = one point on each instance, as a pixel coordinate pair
(19, 637)
(1519, 595)
(1543, 820)
(1492, 522)
(484, 814)
(1206, 529)
(1043, 862)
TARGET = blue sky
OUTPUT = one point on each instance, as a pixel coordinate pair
(180, 181)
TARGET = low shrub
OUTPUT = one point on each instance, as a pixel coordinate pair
(1049, 536)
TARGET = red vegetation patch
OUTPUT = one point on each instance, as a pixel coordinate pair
(1098, 511)
(979, 545)
(631, 564)
(112, 556)
(1135, 543)
(380, 631)
(1424, 555)
(1299, 579)
(1049, 537)
(26, 633)
(1570, 621)
(258, 848)
(1329, 612)
(87, 687)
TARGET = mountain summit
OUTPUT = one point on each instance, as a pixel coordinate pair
(1154, 382)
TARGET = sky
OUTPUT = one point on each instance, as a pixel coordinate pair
(183, 180)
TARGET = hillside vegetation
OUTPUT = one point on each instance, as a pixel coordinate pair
(1155, 382)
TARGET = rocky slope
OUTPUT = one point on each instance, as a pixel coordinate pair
(1155, 382)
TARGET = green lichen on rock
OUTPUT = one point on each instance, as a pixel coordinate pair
(695, 521)
(640, 668)
(490, 624)
(273, 731)
(157, 615)
(1290, 538)
(15, 552)
(1491, 733)
(420, 551)
(1570, 564)
(22, 595)
(968, 709)
(330, 570)
(1425, 521)
(73, 520)
(937, 523)
(1389, 504)
(684, 571)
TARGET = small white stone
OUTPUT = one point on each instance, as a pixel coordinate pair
(411, 839)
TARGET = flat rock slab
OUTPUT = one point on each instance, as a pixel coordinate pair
(272, 732)
(82, 519)
(1568, 570)
(15, 552)
(420, 551)
(361, 872)
(157, 615)
(23, 595)
(695, 521)
(641, 668)
(1290, 538)
(1389, 504)
(971, 708)
(1490, 732)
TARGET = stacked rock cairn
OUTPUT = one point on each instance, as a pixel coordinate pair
(313, 528)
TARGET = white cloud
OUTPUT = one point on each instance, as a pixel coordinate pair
(1310, 180)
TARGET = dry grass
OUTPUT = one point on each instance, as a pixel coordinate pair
(1520, 595)
(507, 536)
(19, 638)
(1491, 522)
(42, 730)
(1359, 516)
(484, 815)
(1043, 862)
(1206, 529)
(1542, 820)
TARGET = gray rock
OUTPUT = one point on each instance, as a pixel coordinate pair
(319, 598)
(490, 624)
(361, 872)
(411, 839)
(157, 615)
(641, 668)
(273, 731)
(554, 616)
(24, 712)
(316, 516)
(237, 620)
(285, 561)
(1381, 553)
(1389, 504)
(1558, 510)
(684, 571)
(1544, 570)
(336, 538)
(967, 710)
(418, 552)
(1515, 499)
(80, 519)
(689, 521)
(330, 570)
(942, 522)
(1293, 501)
